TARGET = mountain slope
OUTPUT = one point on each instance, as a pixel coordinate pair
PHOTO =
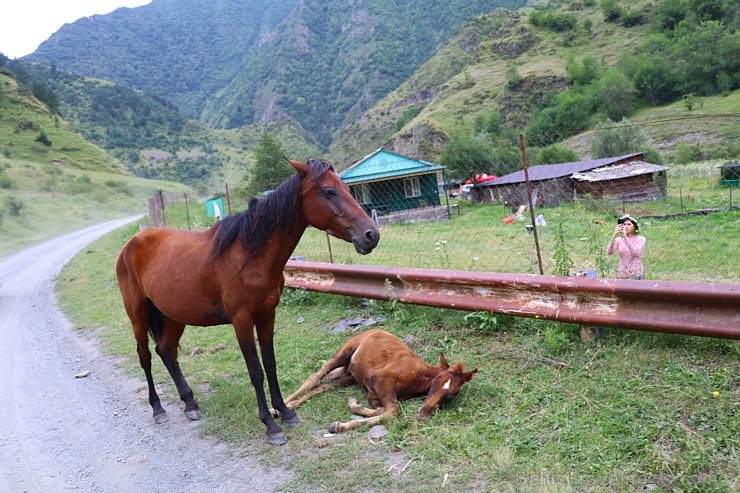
(468, 79)
(24, 121)
(184, 51)
(335, 59)
(233, 64)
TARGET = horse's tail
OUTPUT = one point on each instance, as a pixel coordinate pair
(156, 322)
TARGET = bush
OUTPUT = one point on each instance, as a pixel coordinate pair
(14, 206)
(6, 182)
(42, 137)
(553, 21)
(407, 116)
(513, 79)
(631, 18)
(687, 153)
(611, 10)
(555, 154)
(79, 186)
(617, 140)
(652, 155)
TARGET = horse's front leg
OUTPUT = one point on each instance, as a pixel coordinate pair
(265, 334)
(245, 336)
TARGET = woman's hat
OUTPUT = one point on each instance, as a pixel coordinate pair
(631, 219)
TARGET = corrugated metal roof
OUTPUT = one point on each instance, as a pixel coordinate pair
(624, 170)
(382, 165)
(550, 171)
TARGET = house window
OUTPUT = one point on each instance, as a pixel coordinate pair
(362, 193)
(411, 187)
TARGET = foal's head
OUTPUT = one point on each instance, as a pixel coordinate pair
(329, 205)
(445, 386)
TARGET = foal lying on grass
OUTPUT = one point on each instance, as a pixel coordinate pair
(390, 371)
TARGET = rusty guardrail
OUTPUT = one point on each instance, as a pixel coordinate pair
(699, 309)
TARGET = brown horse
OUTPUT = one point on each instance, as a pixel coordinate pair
(389, 370)
(233, 273)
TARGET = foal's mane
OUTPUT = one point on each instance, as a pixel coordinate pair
(280, 211)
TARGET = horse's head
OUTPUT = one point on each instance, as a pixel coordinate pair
(445, 386)
(329, 205)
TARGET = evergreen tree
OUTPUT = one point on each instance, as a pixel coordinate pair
(270, 168)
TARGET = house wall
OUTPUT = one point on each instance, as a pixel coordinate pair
(389, 196)
(550, 193)
(641, 188)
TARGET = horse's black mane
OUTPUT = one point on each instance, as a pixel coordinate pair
(281, 210)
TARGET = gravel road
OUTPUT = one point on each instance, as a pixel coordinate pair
(60, 433)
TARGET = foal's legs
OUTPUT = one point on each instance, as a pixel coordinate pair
(340, 380)
(385, 391)
(167, 350)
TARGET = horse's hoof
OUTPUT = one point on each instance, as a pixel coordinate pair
(334, 428)
(293, 422)
(275, 413)
(162, 417)
(193, 415)
(277, 438)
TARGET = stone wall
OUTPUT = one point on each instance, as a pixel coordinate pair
(438, 213)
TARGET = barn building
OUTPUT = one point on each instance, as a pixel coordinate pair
(625, 178)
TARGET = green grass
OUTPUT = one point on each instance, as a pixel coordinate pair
(56, 199)
(638, 411)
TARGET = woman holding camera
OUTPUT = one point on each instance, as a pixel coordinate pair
(630, 246)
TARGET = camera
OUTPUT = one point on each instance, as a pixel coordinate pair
(621, 220)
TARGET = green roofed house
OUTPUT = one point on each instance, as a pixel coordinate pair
(397, 187)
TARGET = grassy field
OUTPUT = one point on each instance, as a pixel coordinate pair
(41, 201)
(637, 411)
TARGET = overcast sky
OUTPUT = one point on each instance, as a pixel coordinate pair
(25, 24)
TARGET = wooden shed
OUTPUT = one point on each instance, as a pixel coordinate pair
(388, 183)
(553, 184)
(635, 181)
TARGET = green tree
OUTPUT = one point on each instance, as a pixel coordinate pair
(555, 154)
(615, 95)
(270, 168)
(46, 95)
(654, 79)
(616, 140)
(465, 155)
(585, 72)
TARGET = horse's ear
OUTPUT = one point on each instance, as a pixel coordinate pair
(469, 375)
(301, 168)
(443, 362)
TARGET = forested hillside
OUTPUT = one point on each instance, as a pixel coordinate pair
(184, 51)
(231, 63)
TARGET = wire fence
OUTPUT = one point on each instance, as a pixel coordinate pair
(553, 209)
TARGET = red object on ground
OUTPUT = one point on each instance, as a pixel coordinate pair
(508, 220)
